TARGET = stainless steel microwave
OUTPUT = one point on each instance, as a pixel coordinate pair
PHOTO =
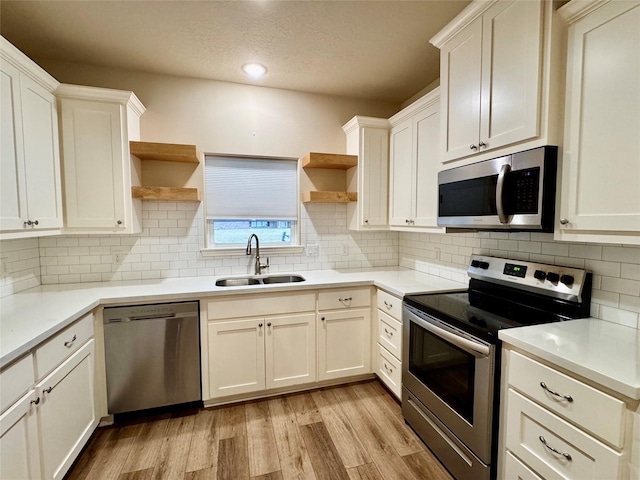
(514, 192)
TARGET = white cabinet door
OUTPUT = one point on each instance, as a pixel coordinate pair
(93, 164)
(290, 350)
(460, 83)
(66, 413)
(236, 357)
(511, 73)
(402, 174)
(373, 196)
(601, 162)
(13, 194)
(19, 453)
(41, 155)
(427, 137)
(344, 343)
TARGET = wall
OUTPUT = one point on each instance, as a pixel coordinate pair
(616, 268)
(172, 237)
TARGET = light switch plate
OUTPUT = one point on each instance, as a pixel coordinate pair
(313, 250)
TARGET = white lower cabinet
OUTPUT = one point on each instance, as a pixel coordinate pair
(554, 426)
(66, 413)
(43, 430)
(250, 355)
(389, 342)
(19, 453)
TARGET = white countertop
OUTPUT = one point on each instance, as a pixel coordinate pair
(603, 352)
(30, 317)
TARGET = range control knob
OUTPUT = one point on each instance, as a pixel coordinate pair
(553, 277)
(484, 265)
(567, 280)
(539, 275)
(475, 263)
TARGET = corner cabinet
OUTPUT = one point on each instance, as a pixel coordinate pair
(600, 195)
(497, 65)
(30, 198)
(99, 171)
(414, 165)
(368, 138)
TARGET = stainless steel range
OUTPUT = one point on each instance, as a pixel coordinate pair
(451, 353)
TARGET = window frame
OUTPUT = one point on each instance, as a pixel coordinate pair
(210, 249)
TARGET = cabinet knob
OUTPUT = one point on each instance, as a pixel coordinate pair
(260, 325)
(119, 222)
(322, 319)
(269, 324)
(47, 390)
(28, 222)
(564, 221)
(366, 221)
(473, 146)
(36, 401)
(482, 144)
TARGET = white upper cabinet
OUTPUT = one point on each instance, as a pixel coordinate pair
(368, 138)
(30, 199)
(414, 164)
(600, 196)
(496, 63)
(97, 125)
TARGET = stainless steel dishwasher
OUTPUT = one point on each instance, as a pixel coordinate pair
(152, 355)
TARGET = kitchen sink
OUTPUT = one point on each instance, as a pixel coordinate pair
(246, 281)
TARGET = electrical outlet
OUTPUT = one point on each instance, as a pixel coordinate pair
(345, 249)
(118, 256)
(313, 250)
(4, 267)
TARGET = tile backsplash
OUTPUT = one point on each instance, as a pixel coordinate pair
(173, 235)
(615, 268)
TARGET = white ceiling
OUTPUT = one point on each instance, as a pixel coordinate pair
(363, 49)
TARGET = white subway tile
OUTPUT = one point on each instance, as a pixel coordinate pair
(592, 252)
(609, 269)
(630, 271)
(621, 254)
(621, 285)
(622, 317)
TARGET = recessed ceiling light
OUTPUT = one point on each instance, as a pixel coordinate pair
(254, 70)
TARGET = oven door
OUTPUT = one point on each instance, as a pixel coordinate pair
(452, 374)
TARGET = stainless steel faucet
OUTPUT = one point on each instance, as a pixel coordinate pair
(259, 266)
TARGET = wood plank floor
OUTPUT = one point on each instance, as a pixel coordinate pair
(350, 432)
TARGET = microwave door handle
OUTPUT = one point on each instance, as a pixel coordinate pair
(474, 348)
(502, 176)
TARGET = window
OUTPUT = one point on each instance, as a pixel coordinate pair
(251, 195)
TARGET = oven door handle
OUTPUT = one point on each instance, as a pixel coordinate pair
(474, 348)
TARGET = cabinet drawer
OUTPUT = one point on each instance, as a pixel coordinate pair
(390, 334)
(390, 304)
(50, 354)
(260, 305)
(344, 298)
(591, 409)
(389, 371)
(15, 380)
(515, 470)
(532, 433)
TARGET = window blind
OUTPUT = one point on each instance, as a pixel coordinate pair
(247, 188)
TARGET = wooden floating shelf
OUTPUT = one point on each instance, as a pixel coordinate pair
(329, 160)
(171, 194)
(165, 152)
(329, 197)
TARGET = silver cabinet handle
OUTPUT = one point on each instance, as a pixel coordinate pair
(35, 222)
(564, 221)
(482, 144)
(260, 325)
(47, 390)
(544, 442)
(473, 146)
(28, 222)
(36, 401)
(70, 342)
(345, 299)
(568, 398)
(387, 304)
(389, 334)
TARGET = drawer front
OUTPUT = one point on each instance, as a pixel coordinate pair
(390, 334)
(532, 433)
(15, 380)
(591, 409)
(390, 304)
(389, 371)
(515, 470)
(344, 298)
(69, 340)
(261, 305)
